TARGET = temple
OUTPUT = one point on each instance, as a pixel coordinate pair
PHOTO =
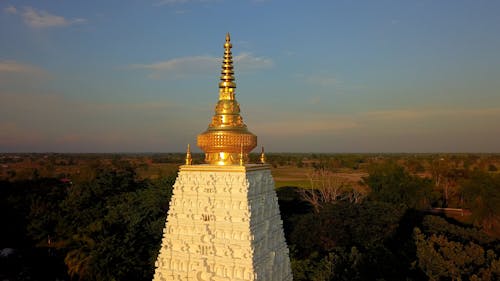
(224, 221)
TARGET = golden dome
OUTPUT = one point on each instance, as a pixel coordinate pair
(227, 140)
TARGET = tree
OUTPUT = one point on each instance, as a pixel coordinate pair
(345, 225)
(110, 228)
(432, 224)
(347, 241)
(492, 168)
(337, 265)
(327, 188)
(392, 184)
(446, 173)
(442, 259)
(482, 195)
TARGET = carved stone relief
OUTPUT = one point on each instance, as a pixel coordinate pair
(223, 226)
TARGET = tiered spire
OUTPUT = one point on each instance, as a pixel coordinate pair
(227, 140)
(227, 77)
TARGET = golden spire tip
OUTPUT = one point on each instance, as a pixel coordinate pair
(262, 156)
(189, 159)
(228, 37)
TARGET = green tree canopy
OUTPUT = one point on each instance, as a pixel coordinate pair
(443, 259)
(110, 228)
(345, 225)
(391, 183)
(482, 196)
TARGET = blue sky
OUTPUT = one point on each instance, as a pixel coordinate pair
(312, 76)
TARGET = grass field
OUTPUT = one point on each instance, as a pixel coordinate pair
(291, 176)
(300, 177)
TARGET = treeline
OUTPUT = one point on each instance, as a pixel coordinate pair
(109, 227)
(390, 235)
(415, 163)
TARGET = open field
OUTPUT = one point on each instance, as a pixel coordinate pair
(301, 177)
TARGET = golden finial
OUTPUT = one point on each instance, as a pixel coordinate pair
(189, 160)
(262, 156)
(227, 83)
(226, 133)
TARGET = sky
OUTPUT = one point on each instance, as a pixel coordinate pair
(312, 76)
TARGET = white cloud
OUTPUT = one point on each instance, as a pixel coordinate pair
(248, 62)
(445, 129)
(304, 126)
(298, 123)
(176, 2)
(398, 114)
(78, 20)
(315, 100)
(10, 10)
(13, 67)
(421, 113)
(42, 19)
(54, 122)
(322, 80)
(397, 121)
(14, 135)
(170, 2)
(179, 68)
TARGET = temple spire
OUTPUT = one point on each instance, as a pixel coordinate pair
(262, 156)
(227, 84)
(189, 159)
(226, 132)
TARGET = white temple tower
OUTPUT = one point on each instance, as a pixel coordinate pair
(224, 221)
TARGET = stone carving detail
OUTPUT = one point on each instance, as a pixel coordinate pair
(223, 226)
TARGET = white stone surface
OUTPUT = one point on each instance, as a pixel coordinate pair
(223, 224)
